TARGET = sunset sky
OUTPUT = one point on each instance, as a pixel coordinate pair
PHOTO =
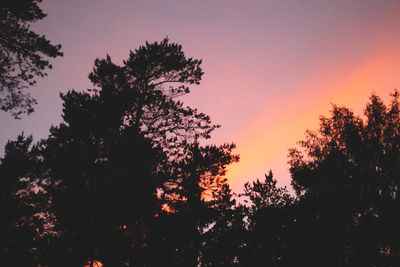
(271, 67)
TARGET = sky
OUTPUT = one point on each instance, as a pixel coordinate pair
(271, 67)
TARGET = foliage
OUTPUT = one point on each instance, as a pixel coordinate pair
(25, 219)
(347, 175)
(195, 181)
(147, 89)
(122, 150)
(262, 194)
(23, 54)
(125, 181)
(269, 215)
(223, 237)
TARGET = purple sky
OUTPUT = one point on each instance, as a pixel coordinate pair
(271, 67)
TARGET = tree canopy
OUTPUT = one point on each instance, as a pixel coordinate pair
(146, 91)
(347, 174)
(125, 180)
(24, 54)
(126, 162)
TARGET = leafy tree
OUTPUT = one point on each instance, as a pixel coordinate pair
(223, 237)
(147, 89)
(263, 194)
(122, 148)
(195, 181)
(124, 176)
(269, 217)
(104, 193)
(347, 176)
(23, 54)
(24, 223)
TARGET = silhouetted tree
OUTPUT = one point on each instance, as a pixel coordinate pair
(123, 179)
(194, 182)
(122, 150)
(347, 176)
(25, 221)
(147, 89)
(269, 216)
(223, 237)
(23, 54)
(105, 186)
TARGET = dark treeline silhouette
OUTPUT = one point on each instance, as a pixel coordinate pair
(125, 181)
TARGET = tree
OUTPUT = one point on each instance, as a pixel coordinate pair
(269, 217)
(23, 54)
(25, 222)
(117, 153)
(347, 176)
(123, 176)
(266, 193)
(195, 182)
(106, 198)
(104, 184)
(223, 237)
(147, 89)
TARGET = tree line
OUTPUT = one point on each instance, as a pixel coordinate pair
(124, 180)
